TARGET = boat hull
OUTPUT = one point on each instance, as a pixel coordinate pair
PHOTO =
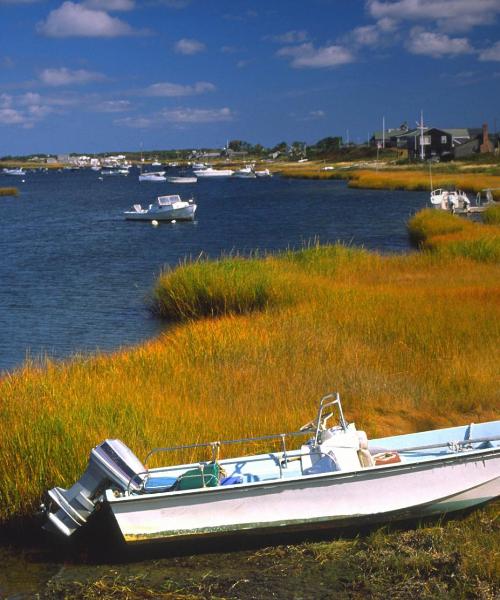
(371, 495)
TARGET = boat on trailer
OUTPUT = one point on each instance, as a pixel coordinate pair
(334, 478)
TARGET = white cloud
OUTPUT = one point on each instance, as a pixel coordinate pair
(436, 45)
(368, 35)
(110, 5)
(174, 90)
(64, 76)
(75, 20)
(453, 15)
(492, 53)
(307, 56)
(188, 46)
(112, 106)
(290, 37)
(179, 116)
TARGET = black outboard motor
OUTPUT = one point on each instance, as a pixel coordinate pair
(111, 462)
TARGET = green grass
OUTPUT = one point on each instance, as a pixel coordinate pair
(491, 215)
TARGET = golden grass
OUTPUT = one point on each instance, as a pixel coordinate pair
(9, 191)
(450, 235)
(399, 179)
(411, 343)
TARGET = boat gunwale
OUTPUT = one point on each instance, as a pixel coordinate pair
(371, 472)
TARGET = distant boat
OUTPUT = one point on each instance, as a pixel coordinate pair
(117, 171)
(167, 208)
(210, 172)
(264, 173)
(182, 179)
(333, 478)
(157, 176)
(451, 200)
(245, 173)
(16, 172)
(156, 163)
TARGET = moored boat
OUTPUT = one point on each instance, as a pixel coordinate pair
(451, 200)
(157, 176)
(182, 179)
(211, 172)
(245, 173)
(167, 208)
(16, 172)
(334, 478)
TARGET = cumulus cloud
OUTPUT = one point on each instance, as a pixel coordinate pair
(24, 110)
(307, 56)
(76, 20)
(64, 76)
(492, 53)
(453, 15)
(188, 46)
(294, 36)
(436, 45)
(179, 116)
(174, 90)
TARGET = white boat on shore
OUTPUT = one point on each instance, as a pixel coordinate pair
(157, 176)
(211, 172)
(334, 478)
(15, 172)
(167, 208)
(182, 179)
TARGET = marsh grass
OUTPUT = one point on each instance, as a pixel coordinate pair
(411, 343)
(9, 191)
(491, 215)
(449, 235)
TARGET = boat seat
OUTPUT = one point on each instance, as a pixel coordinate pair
(137, 207)
(156, 485)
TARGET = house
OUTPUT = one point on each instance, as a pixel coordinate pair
(389, 137)
(434, 143)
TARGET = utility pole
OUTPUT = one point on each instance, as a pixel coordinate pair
(383, 132)
(421, 127)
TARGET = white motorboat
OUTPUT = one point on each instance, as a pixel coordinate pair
(156, 163)
(211, 172)
(117, 171)
(167, 208)
(16, 172)
(245, 173)
(157, 176)
(264, 173)
(454, 200)
(182, 179)
(334, 478)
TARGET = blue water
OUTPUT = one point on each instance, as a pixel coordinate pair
(74, 275)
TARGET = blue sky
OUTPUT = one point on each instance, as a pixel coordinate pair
(96, 75)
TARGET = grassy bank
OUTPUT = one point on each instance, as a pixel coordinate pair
(410, 341)
(442, 561)
(403, 179)
(9, 191)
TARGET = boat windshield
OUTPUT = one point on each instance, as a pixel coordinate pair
(165, 200)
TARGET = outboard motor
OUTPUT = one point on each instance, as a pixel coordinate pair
(109, 462)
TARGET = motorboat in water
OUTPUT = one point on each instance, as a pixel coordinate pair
(117, 171)
(167, 208)
(182, 179)
(157, 176)
(264, 173)
(16, 172)
(245, 173)
(335, 477)
(451, 200)
(211, 172)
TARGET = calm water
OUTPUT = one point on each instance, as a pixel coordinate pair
(74, 275)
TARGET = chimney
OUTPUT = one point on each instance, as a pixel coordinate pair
(486, 145)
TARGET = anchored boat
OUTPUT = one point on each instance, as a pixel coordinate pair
(335, 477)
(167, 208)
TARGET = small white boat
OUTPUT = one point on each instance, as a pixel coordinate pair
(167, 208)
(334, 478)
(245, 173)
(157, 176)
(112, 172)
(156, 163)
(181, 179)
(452, 200)
(15, 172)
(264, 173)
(211, 172)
